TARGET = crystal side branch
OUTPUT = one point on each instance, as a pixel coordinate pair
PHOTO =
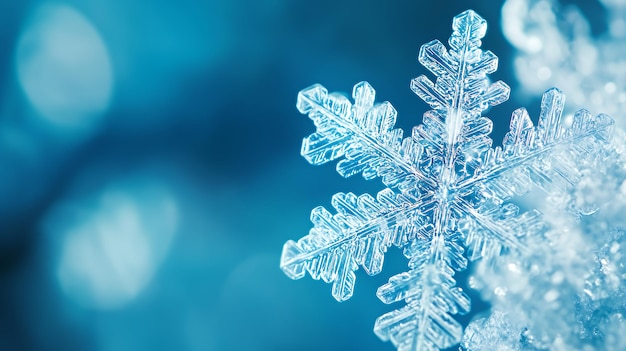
(446, 187)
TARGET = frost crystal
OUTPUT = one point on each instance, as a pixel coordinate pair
(493, 333)
(556, 303)
(448, 191)
(568, 292)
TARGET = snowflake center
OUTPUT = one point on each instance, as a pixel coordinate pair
(444, 195)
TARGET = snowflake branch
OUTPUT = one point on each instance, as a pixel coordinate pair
(359, 234)
(362, 133)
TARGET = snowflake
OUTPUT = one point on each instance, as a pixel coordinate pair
(447, 189)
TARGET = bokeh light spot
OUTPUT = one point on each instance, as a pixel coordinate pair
(544, 73)
(534, 44)
(113, 242)
(610, 88)
(63, 67)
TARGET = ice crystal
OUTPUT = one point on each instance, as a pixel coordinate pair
(549, 309)
(555, 47)
(568, 292)
(495, 332)
(448, 192)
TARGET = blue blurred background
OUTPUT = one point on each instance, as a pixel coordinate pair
(151, 168)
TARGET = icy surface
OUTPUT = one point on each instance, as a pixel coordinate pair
(448, 192)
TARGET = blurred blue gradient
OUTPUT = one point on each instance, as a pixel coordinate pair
(152, 171)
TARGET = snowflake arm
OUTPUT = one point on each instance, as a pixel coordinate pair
(362, 133)
(426, 322)
(358, 234)
(544, 156)
(550, 142)
(456, 66)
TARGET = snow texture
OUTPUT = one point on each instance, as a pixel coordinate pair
(555, 47)
(568, 292)
(448, 192)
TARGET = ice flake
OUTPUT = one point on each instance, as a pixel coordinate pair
(447, 190)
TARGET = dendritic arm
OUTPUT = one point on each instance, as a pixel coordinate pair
(358, 234)
(362, 133)
(545, 155)
(493, 231)
(425, 322)
(462, 89)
